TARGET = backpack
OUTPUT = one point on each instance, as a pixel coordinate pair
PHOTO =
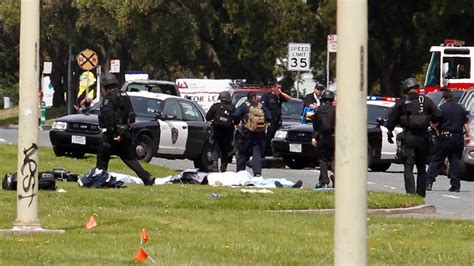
(325, 121)
(418, 120)
(99, 178)
(256, 118)
(222, 116)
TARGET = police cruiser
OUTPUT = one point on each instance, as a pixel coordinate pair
(166, 126)
(293, 143)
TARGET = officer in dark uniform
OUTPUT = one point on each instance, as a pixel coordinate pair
(115, 117)
(222, 127)
(273, 101)
(324, 127)
(449, 142)
(413, 113)
(249, 143)
(313, 100)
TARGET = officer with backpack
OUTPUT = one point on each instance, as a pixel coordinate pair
(251, 118)
(324, 127)
(449, 142)
(115, 117)
(273, 101)
(222, 127)
(414, 114)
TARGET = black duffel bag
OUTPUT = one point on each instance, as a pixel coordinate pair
(46, 181)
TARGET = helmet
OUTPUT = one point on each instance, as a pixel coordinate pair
(108, 80)
(319, 86)
(327, 95)
(410, 83)
(224, 96)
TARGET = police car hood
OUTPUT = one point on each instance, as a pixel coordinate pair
(82, 118)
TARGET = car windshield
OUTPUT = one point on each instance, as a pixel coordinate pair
(376, 111)
(146, 107)
(437, 96)
(292, 109)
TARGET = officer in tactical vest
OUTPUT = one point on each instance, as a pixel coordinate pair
(115, 117)
(220, 114)
(249, 143)
(449, 142)
(324, 127)
(413, 113)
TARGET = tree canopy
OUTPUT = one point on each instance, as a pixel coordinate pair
(233, 39)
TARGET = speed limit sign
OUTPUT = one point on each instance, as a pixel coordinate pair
(299, 56)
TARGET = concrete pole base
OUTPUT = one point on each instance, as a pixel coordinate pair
(25, 230)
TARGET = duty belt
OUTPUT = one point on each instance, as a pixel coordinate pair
(449, 134)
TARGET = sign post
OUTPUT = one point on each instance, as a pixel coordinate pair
(299, 56)
(332, 48)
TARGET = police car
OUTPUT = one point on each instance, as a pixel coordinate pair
(166, 126)
(293, 143)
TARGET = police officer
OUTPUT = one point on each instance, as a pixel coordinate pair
(324, 127)
(273, 101)
(313, 100)
(115, 117)
(449, 142)
(222, 127)
(413, 113)
(249, 143)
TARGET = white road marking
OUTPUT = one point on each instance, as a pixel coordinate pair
(370, 183)
(391, 187)
(451, 196)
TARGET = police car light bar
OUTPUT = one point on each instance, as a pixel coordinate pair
(382, 98)
(452, 42)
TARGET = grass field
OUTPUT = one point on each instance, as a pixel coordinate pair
(187, 226)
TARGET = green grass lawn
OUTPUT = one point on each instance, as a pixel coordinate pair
(188, 227)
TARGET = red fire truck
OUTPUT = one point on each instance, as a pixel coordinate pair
(450, 66)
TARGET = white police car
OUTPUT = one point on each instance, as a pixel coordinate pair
(166, 126)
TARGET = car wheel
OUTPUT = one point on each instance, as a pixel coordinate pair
(204, 162)
(145, 148)
(295, 162)
(59, 151)
(379, 167)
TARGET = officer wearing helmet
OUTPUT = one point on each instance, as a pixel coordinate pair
(220, 114)
(115, 117)
(414, 113)
(324, 127)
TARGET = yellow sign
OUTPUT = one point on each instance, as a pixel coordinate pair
(87, 59)
(86, 80)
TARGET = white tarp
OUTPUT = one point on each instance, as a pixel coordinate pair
(203, 91)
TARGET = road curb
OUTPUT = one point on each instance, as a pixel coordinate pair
(422, 209)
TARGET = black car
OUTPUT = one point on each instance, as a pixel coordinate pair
(166, 126)
(293, 143)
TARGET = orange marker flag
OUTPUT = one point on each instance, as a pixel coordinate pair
(144, 236)
(141, 256)
(91, 223)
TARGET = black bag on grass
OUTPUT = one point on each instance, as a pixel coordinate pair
(46, 181)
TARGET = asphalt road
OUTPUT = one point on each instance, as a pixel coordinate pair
(448, 204)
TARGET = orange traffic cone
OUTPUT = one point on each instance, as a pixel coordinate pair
(91, 223)
(141, 256)
(144, 237)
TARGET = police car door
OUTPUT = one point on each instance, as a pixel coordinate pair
(173, 131)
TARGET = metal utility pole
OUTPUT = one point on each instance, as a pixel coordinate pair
(27, 220)
(350, 234)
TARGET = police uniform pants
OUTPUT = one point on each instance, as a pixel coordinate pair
(415, 148)
(250, 144)
(223, 144)
(326, 157)
(271, 130)
(451, 147)
(123, 149)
